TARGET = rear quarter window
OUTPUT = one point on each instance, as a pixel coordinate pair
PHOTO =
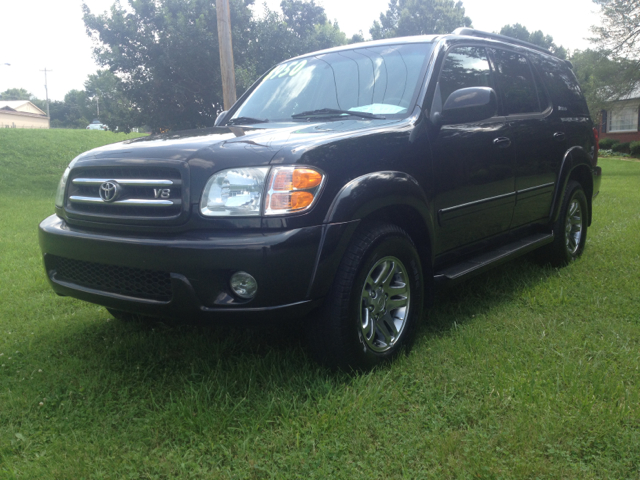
(562, 86)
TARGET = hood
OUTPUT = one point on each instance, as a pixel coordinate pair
(238, 145)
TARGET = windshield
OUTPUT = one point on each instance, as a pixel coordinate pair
(381, 80)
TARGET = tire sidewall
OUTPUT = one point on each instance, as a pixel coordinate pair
(575, 193)
(402, 248)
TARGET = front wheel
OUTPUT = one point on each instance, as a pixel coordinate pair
(375, 304)
(570, 230)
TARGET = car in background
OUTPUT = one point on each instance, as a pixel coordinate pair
(97, 125)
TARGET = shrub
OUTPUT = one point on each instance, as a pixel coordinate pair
(621, 147)
(635, 149)
(607, 143)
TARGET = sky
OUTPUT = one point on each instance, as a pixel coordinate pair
(39, 34)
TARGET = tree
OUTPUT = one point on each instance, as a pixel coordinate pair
(105, 89)
(302, 27)
(76, 112)
(619, 34)
(356, 38)
(15, 94)
(419, 17)
(166, 54)
(537, 38)
(603, 79)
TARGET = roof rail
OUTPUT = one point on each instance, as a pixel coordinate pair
(470, 32)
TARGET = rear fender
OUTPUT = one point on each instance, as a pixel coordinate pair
(576, 165)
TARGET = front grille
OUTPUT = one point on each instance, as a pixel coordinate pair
(142, 193)
(132, 282)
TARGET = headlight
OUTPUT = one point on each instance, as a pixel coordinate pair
(63, 184)
(240, 191)
(234, 192)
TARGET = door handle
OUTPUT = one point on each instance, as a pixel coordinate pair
(559, 136)
(502, 142)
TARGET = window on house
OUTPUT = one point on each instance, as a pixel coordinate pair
(624, 120)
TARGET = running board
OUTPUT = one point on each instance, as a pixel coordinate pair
(481, 263)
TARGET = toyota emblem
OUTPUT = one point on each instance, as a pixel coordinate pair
(109, 191)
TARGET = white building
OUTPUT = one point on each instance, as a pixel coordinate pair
(22, 114)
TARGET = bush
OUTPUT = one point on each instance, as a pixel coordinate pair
(623, 147)
(635, 149)
(607, 143)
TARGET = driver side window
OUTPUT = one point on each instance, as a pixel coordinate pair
(464, 67)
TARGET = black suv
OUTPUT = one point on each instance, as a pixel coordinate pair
(347, 182)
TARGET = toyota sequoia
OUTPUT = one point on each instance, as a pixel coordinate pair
(340, 190)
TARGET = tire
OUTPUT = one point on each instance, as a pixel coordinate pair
(375, 303)
(570, 229)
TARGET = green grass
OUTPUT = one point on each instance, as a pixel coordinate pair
(526, 372)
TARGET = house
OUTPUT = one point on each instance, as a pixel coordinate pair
(22, 114)
(621, 120)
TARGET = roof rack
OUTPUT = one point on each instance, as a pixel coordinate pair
(470, 32)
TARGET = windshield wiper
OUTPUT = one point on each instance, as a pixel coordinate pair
(332, 112)
(246, 120)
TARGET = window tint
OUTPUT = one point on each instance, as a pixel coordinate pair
(543, 98)
(464, 67)
(562, 85)
(515, 82)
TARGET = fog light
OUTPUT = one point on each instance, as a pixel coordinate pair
(244, 285)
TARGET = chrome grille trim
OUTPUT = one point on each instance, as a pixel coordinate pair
(132, 182)
(132, 202)
(154, 193)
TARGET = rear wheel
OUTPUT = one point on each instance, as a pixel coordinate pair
(570, 230)
(375, 303)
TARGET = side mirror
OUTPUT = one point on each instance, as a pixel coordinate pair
(469, 105)
(220, 118)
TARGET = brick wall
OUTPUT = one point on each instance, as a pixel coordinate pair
(623, 137)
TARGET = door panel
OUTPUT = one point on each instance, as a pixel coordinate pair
(474, 182)
(473, 163)
(539, 141)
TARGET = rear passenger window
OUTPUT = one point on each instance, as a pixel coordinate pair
(464, 67)
(515, 82)
(562, 85)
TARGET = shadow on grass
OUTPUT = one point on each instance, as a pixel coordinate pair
(277, 356)
(479, 295)
(203, 379)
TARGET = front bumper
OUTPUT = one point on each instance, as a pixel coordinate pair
(196, 266)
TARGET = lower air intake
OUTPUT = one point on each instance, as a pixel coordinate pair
(132, 282)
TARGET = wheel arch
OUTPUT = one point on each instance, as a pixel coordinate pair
(387, 197)
(576, 165)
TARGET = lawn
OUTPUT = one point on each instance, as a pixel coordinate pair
(525, 372)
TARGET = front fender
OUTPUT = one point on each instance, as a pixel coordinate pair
(376, 191)
(389, 193)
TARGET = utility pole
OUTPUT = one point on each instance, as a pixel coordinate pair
(46, 88)
(227, 68)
